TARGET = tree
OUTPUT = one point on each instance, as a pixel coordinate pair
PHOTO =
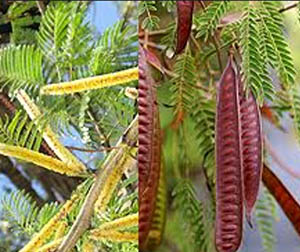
(93, 120)
(187, 44)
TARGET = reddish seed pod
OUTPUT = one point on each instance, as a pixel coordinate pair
(284, 198)
(229, 194)
(251, 137)
(149, 152)
(184, 23)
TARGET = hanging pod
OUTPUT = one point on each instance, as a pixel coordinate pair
(229, 194)
(251, 142)
(184, 23)
(149, 150)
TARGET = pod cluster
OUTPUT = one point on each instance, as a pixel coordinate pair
(238, 157)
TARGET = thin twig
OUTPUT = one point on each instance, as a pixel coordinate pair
(41, 6)
(153, 33)
(288, 7)
(73, 148)
(153, 45)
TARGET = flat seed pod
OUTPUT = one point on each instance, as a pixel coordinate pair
(184, 23)
(284, 198)
(149, 150)
(251, 138)
(229, 194)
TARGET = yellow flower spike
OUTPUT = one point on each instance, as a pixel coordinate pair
(61, 229)
(125, 161)
(37, 158)
(39, 239)
(88, 246)
(51, 246)
(113, 236)
(106, 80)
(48, 135)
(121, 223)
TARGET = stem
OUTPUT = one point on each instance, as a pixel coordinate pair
(41, 6)
(82, 221)
(72, 148)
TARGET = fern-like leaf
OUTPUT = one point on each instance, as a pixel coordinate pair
(265, 215)
(115, 49)
(252, 68)
(267, 59)
(21, 67)
(274, 38)
(150, 21)
(53, 30)
(183, 84)
(192, 212)
(204, 117)
(209, 19)
(22, 211)
(20, 131)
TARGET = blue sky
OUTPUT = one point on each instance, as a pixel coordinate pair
(104, 14)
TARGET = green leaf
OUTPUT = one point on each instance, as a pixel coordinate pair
(21, 67)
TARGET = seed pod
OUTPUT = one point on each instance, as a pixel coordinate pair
(251, 138)
(229, 194)
(149, 150)
(284, 198)
(184, 23)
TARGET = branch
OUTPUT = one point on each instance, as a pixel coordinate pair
(41, 6)
(82, 221)
(72, 148)
(9, 170)
(288, 7)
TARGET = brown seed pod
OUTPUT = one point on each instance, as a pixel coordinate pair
(251, 142)
(149, 150)
(229, 194)
(184, 23)
(284, 198)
